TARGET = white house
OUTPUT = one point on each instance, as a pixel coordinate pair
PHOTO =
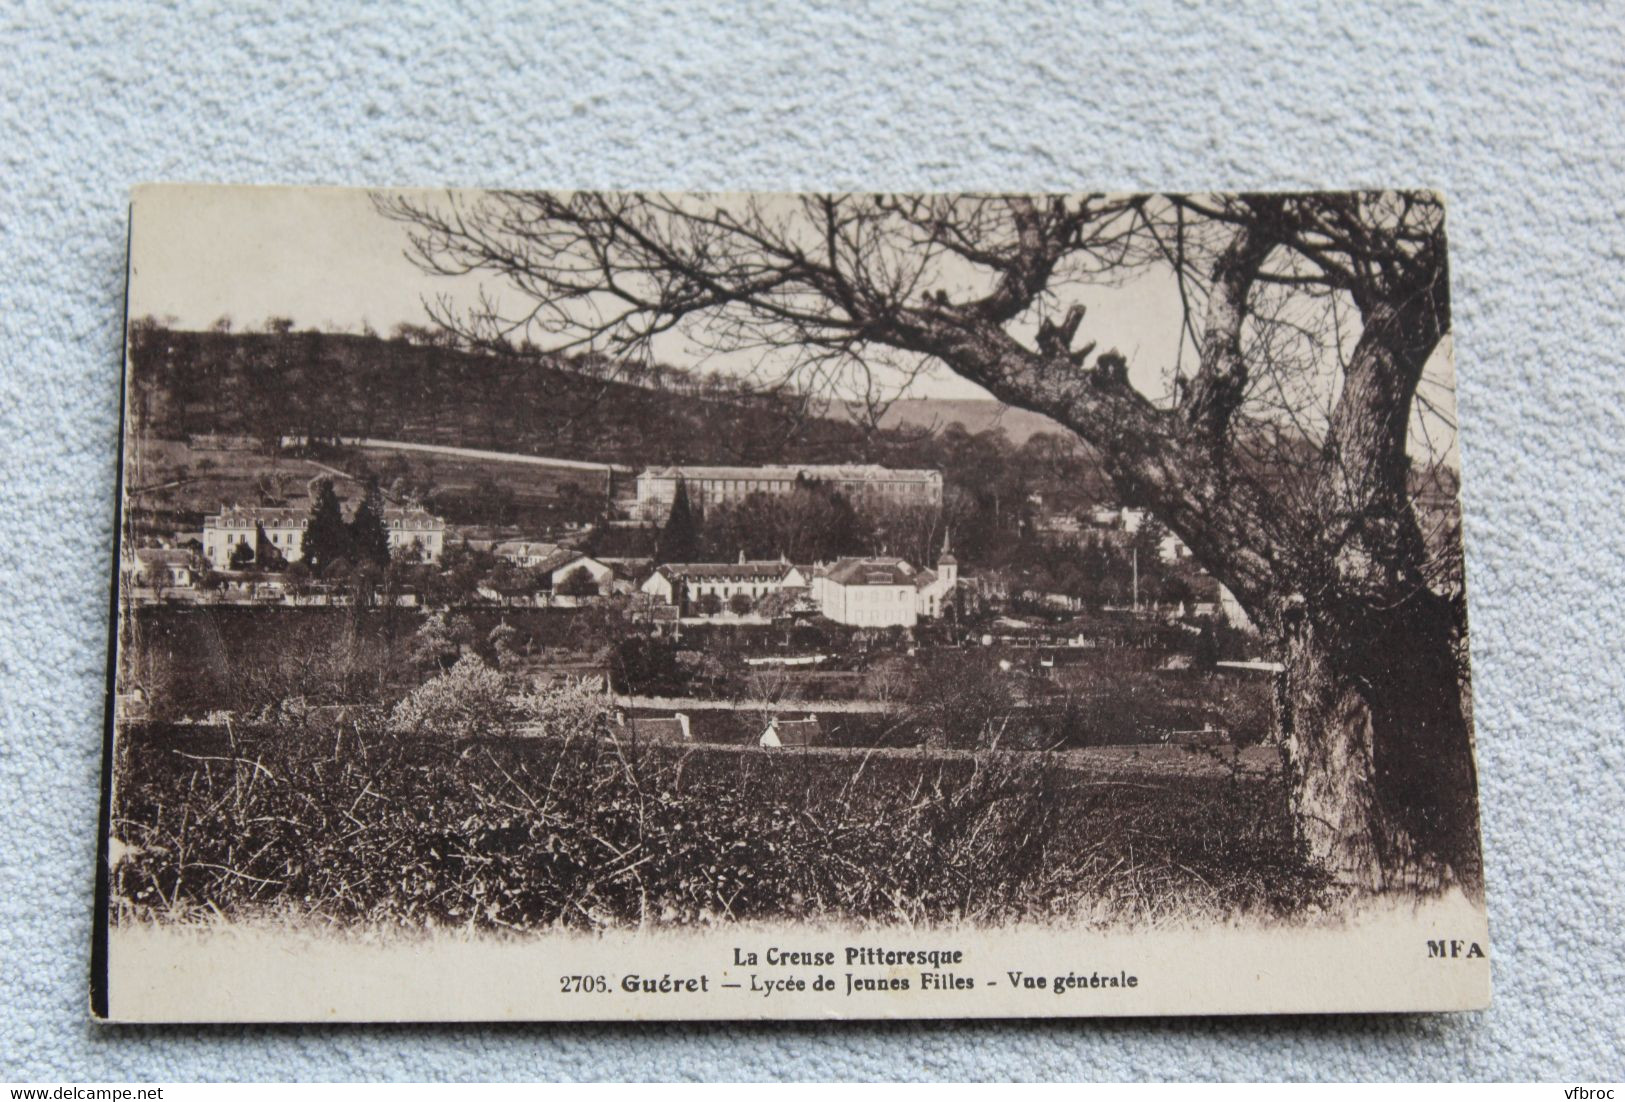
(870, 593)
(1125, 518)
(566, 562)
(224, 531)
(163, 568)
(885, 591)
(525, 553)
(416, 529)
(556, 562)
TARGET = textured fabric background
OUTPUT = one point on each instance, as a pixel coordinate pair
(1516, 114)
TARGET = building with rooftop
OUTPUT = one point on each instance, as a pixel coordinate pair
(885, 591)
(675, 583)
(410, 528)
(860, 483)
(162, 568)
(555, 561)
(869, 593)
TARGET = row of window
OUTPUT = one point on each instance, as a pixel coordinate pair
(732, 486)
(880, 595)
(729, 590)
(428, 525)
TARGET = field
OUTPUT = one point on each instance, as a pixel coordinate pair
(589, 832)
(481, 490)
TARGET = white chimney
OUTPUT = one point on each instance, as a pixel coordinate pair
(682, 721)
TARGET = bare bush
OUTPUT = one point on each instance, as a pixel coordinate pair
(468, 699)
(584, 830)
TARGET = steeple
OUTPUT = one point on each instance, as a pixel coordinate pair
(947, 565)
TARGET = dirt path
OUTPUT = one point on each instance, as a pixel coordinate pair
(477, 453)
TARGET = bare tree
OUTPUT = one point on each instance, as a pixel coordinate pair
(1279, 450)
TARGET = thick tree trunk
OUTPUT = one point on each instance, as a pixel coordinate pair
(1379, 750)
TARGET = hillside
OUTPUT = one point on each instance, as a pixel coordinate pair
(196, 396)
(327, 385)
(976, 414)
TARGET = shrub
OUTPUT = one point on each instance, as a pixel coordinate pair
(468, 699)
(574, 709)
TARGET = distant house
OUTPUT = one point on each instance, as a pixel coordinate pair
(1125, 518)
(554, 561)
(673, 583)
(415, 529)
(163, 568)
(564, 564)
(525, 553)
(792, 732)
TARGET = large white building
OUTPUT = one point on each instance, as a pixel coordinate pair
(708, 487)
(412, 528)
(885, 591)
(223, 531)
(869, 593)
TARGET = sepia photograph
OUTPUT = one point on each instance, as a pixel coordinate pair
(638, 605)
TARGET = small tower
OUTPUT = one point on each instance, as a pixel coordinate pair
(947, 565)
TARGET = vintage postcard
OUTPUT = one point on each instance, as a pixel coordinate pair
(541, 605)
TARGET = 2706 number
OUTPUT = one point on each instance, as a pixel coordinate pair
(584, 985)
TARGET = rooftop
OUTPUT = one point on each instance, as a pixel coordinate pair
(879, 571)
(164, 555)
(774, 569)
(525, 549)
(655, 729)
